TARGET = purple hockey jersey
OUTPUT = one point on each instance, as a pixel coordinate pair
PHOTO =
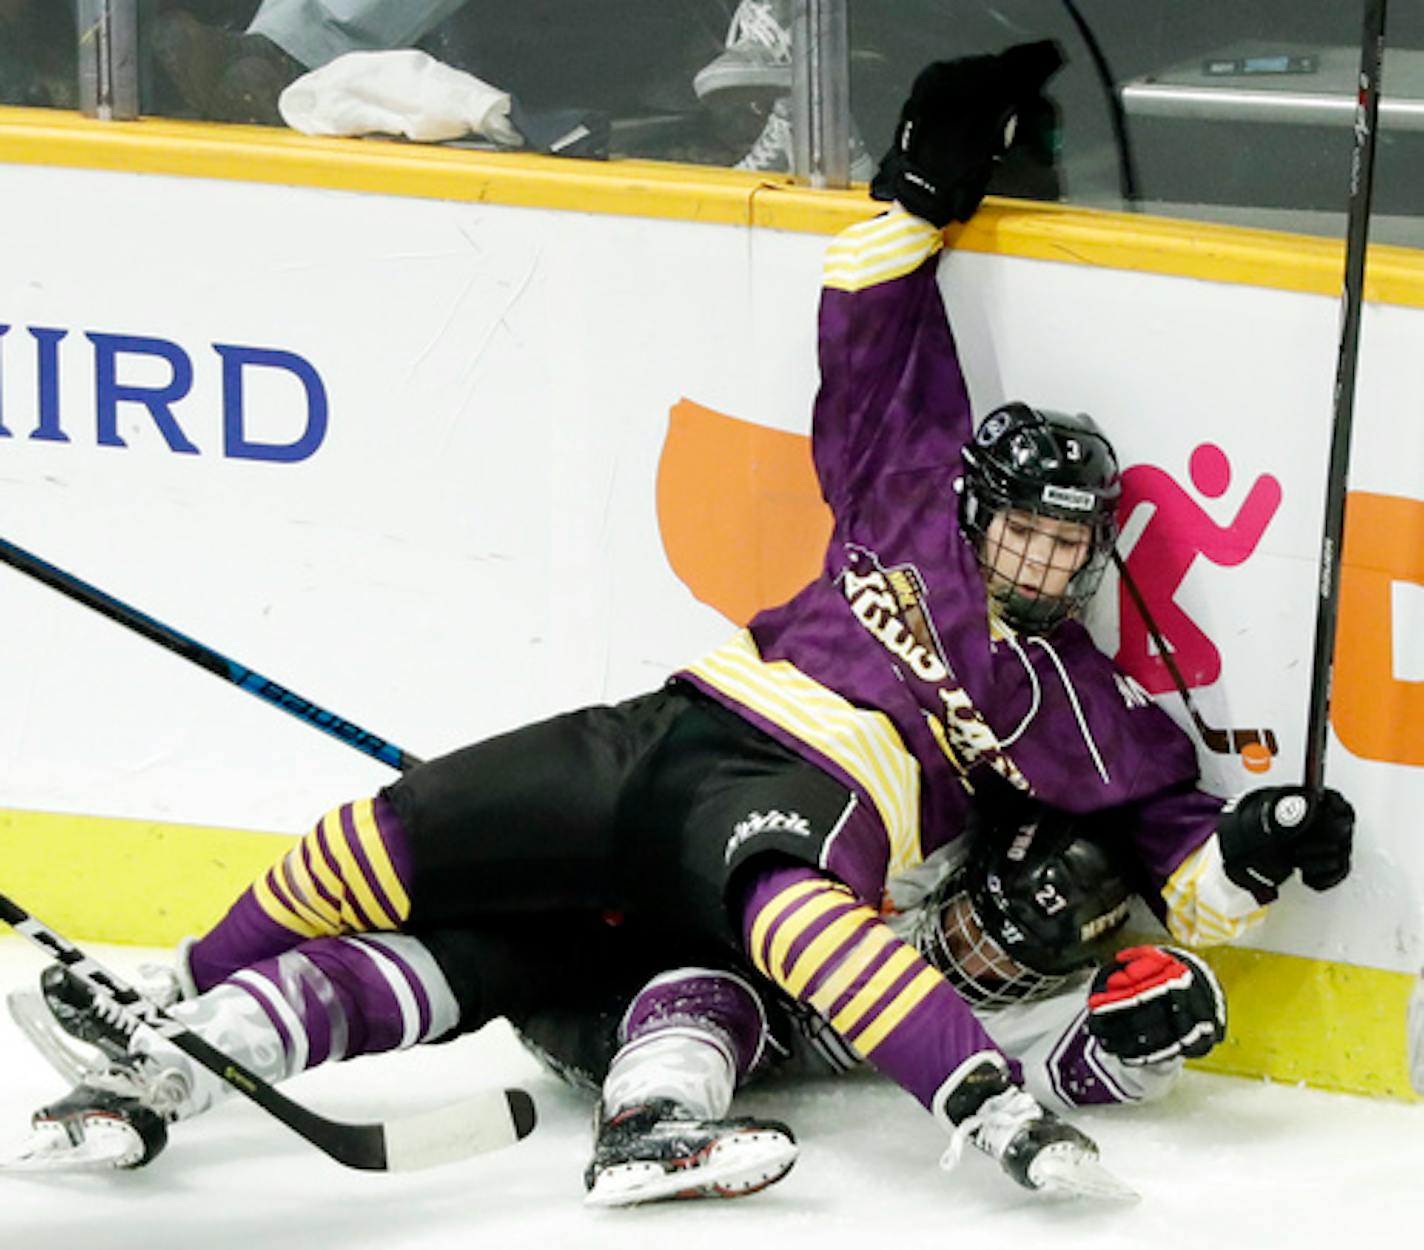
(888, 670)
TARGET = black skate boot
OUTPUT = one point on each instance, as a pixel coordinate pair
(1037, 1149)
(660, 1150)
(88, 1017)
(100, 1125)
(77, 1029)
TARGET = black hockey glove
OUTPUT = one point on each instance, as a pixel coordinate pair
(958, 121)
(1271, 832)
(1153, 1003)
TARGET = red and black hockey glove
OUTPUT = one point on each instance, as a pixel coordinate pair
(960, 118)
(1152, 1003)
(1271, 832)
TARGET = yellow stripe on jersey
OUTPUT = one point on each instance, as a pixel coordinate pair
(843, 931)
(864, 744)
(1204, 906)
(847, 948)
(895, 1011)
(880, 250)
(852, 964)
(781, 905)
(363, 816)
(874, 989)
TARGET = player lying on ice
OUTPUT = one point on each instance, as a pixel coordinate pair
(929, 691)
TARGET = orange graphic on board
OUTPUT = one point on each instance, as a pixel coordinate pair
(740, 511)
(1378, 715)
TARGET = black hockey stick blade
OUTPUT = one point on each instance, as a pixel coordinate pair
(205, 657)
(487, 1121)
(1357, 237)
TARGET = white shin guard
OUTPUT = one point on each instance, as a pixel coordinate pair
(228, 1018)
(689, 1065)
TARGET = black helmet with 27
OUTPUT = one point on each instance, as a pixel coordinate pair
(1040, 896)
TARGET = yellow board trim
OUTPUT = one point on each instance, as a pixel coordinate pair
(102, 879)
(1330, 1025)
(697, 193)
(147, 883)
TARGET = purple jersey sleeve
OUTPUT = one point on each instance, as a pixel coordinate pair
(892, 396)
(817, 942)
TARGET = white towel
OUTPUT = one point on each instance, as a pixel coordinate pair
(403, 92)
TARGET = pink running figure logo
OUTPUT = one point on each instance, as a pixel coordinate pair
(1178, 531)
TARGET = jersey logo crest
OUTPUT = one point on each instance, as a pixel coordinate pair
(892, 604)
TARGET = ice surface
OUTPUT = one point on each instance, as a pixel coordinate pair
(1223, 1163)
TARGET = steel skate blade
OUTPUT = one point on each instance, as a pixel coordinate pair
(72, 1059)
(50, 1149)
(1078, 1175)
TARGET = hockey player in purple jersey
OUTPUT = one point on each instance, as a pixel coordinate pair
(924, 710)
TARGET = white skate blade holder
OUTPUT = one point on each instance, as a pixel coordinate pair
(738, 1164)
(1063, 1170)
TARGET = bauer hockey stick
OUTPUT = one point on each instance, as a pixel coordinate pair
(206, 658)
(1357, 235)
(486, 1121)
(1220, 741)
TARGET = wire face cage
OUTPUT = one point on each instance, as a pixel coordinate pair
(949, 935)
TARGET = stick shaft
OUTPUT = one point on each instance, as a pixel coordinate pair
(1362, 164)
(206, 658)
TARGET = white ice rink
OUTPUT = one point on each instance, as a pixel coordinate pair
(1224, 1163)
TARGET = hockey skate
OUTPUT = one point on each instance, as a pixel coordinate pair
(77, 1031)
(1036, 1148)
(102, 1124)
(658, 1150)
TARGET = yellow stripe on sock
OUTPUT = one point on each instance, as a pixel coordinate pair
(279, 912)
(327, 873)
(316, 907)
(352, 875)
(364, 818)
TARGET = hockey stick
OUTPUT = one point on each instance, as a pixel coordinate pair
(486, 1121)
(206, 658)
(1357, 234)
(1220, 741)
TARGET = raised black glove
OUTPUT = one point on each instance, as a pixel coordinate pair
(956, 123)
(1152, 1003)
(1271, 832)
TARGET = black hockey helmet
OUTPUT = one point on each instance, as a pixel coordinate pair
(1044, 464)
(1051, 893)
